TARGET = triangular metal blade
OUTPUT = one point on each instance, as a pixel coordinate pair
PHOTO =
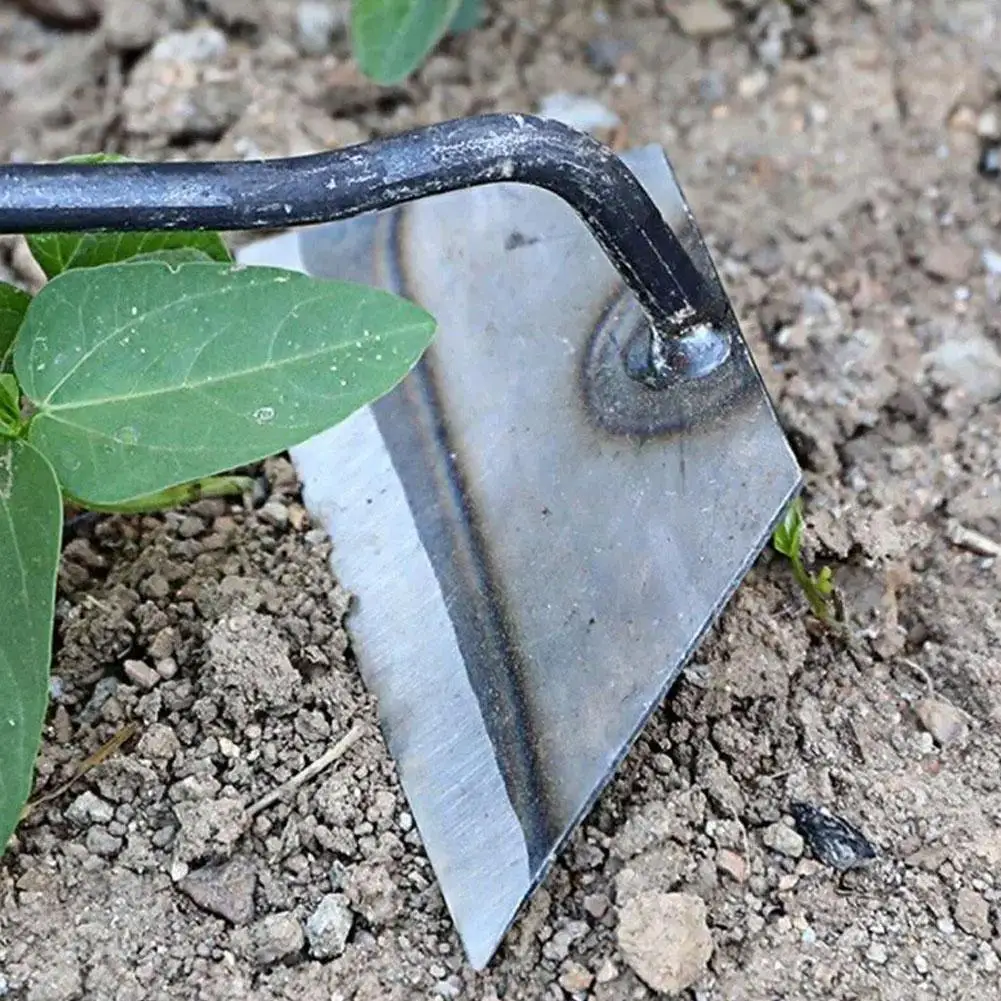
(535, 541)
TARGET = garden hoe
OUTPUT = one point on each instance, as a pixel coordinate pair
(541, 521)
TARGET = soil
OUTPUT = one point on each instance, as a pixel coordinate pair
(831, 153)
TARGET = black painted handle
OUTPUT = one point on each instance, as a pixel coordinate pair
(322, 187)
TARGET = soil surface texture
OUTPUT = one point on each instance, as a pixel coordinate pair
(840, 157)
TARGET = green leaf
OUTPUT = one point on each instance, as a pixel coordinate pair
(58, 252)
(31, 514)
(788, 536)
(10, 398)
(390, 38)
(178, 255)
(13, 305)
(149, 375)
(467, 17)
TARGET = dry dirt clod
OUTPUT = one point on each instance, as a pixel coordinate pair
(276, 937)
(942, 720)
(665, 939)
(209, 828)
(329, 926)
(972, 913)
(58, 980)
(226, 890)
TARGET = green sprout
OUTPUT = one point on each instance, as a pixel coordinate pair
(818, 588)
(391, 38)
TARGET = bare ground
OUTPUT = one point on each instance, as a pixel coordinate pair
(830, 151)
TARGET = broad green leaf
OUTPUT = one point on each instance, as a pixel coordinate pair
(179, 255)
(13, 305)
(147, 375)
(31, 513)
(467, 17)
(58, 252)
(391, 37)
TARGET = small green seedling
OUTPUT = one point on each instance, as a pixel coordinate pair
(818, 588)
(145, 367)
(391, 38)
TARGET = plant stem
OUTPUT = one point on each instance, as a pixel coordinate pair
(183, 493)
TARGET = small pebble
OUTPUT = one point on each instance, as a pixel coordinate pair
(316, 24)
(578, 112)
(972, 913)
(89, 809)
(732, 864)
(141, 674)
(100, 842)
(191, 526)
(876, 953)
(274, 513)
(166, 668)
(226, 890)
(329, 926)
(607, 972)
(575, 979)
(783, 839)
(277, 937)
(943, 721)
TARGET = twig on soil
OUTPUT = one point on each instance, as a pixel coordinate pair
(931, 692)
(324, 761)
(105, 751)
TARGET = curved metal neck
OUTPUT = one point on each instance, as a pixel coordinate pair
(323, 187)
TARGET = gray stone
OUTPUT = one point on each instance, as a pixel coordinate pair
(226, 890)
(952, 260)
(274, 513)
(329, 926)
(578, 112)
(159, 741)
(132, 25)
(943, 721)
(141, 674)
(316, 25)
(968, 363)
(276, 937)
(784, 840)
(973, 914)
(701, 18)
(199, 45)
(89, 809)
(665, 939)
(100, 842)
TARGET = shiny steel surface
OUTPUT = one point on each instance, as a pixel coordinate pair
(536, 540)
